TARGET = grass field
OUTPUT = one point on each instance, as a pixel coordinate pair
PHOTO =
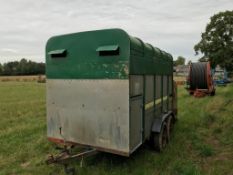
(202, 142)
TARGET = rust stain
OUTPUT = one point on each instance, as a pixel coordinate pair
(69, 143)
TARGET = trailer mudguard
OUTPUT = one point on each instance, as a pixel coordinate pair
(158, 121)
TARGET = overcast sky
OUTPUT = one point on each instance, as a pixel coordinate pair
(174, 26)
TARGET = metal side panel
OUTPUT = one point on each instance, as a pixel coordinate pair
(136, 85)
(136, 111)
(149, 105)
(89, 112)
(165, 93)
(149, 89)
(136, 123)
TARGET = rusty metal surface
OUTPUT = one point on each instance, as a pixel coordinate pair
(89, 112)
(62, 142)
(65, 156)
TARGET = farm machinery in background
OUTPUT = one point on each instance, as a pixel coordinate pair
(200, 80)
(220, 76)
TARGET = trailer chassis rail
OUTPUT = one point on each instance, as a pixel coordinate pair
(65, 156)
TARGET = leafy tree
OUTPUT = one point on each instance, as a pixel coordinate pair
(10, 68)
(180, 61)
(203, 59)
(189, 62)
(22, 67)
(217, 41)
(1, 69)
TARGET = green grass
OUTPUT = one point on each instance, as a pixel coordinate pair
(202, 142)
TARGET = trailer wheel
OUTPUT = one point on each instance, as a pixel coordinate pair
(160, 139)
(170, 125)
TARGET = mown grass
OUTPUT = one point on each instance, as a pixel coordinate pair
(202, 142)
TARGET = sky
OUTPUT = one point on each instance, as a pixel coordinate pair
(174, 26)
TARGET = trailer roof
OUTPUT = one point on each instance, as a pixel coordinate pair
(108, 53)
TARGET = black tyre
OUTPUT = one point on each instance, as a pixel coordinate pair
(170, 126)
(160, 139)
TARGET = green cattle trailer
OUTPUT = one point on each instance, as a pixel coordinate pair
(108, 91)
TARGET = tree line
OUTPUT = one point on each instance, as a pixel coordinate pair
(216, 42)
(22, 67)
(179, 61)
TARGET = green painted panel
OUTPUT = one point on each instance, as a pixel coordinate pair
(107, 48)
(54, 52)
(79, 56)
(149, 60)
(82, 61)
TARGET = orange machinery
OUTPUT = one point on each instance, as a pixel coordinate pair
(199, 80)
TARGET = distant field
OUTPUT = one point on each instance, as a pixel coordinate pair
(25, 78)
(179, 78)
(202, 142)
